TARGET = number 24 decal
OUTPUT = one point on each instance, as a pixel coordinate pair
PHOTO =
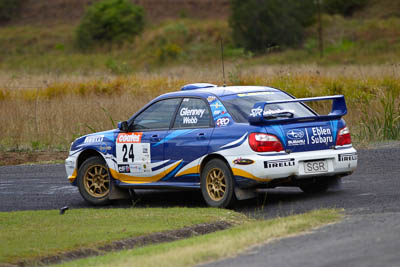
(130, 154)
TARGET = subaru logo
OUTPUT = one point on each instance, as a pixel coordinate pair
(295, 134)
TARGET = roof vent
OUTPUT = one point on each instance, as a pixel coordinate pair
(194, 86)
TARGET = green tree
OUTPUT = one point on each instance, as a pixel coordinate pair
(8, 9)
(110, 21)
(261, 24)
(343, 7)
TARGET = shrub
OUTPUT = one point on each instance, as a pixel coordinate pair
(343, 7)
(110, 21)
(261, 24)
(8, 8)
(168, 51)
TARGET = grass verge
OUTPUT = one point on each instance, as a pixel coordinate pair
(26, 235)
(217, 245)
(70, 106)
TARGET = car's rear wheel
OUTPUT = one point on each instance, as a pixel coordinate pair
(94, 181)
(217, 185)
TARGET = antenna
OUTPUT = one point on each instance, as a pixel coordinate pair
(223, 65)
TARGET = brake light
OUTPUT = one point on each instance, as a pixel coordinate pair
(261, 142)
(343, 137)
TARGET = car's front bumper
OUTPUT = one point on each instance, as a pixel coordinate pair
(70, 168)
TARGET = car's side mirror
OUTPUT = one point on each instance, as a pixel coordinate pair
(123, 126)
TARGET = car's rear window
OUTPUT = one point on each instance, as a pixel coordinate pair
(240, 105)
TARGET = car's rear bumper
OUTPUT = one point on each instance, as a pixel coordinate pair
(265, 167)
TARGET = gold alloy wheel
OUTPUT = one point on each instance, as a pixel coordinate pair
(216, 184)
(97, 181)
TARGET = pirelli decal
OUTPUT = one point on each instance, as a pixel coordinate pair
(347, 157)
(280, 163)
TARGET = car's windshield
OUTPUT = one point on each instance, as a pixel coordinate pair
(240, 105)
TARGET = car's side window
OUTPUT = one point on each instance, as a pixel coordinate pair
(157, 116)
(192, 113)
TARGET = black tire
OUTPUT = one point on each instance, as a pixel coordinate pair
(319, 186)
(217, 185)
(94, 181)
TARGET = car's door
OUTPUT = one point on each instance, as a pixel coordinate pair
(188, 139)
(140, 153)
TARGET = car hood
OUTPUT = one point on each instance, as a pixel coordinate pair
(96, 140)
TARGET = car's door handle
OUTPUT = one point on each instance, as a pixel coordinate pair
(201, 136)
(155, 138)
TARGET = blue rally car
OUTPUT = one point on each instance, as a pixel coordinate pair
(224, 141)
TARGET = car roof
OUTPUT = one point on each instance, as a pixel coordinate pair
(219, 91)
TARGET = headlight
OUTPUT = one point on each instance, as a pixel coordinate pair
(70, 147)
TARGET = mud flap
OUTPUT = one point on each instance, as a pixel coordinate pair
(117, 192)
(242, 194)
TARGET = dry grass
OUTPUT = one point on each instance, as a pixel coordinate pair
(43, 112)
(215, 246)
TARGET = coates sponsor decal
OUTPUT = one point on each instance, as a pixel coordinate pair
(240, 161)
(94, 139)
(347, 157)
(279, 163)
(124, 138)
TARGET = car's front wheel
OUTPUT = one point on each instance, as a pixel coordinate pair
(217, 185)
(94, 181)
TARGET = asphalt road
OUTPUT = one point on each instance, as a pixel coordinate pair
(368, 236)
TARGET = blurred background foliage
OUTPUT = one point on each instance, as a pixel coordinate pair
(69, 68)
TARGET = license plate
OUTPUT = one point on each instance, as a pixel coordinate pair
(316, 166)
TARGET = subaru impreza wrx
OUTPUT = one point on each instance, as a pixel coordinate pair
(224, 141)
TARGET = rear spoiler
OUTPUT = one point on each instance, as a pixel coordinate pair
(338, 110)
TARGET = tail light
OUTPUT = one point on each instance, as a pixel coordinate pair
(261, 142)
(343, 137)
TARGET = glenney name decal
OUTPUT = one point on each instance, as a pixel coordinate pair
(279, 163)
(193, 113)
(311, 136)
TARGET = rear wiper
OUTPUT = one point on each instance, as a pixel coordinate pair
(280, 113)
